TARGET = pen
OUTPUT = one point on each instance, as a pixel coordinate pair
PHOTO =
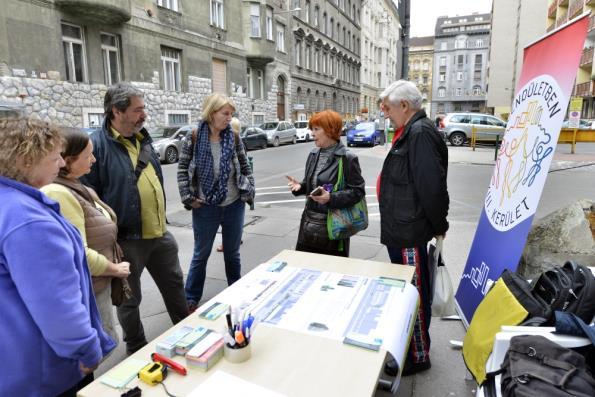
(228, 338)
(229, 323)
(240, 338)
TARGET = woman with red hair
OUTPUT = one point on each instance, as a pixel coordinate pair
(322, 170)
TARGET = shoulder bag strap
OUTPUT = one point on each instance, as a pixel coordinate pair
(143, 160)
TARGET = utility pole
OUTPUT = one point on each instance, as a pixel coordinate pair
(405, 20)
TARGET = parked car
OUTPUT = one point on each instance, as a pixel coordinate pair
(254, 138)
(167, 141)
(279, 132)
(302, 131)
(458, 126)
(583, 124)
(366, 133)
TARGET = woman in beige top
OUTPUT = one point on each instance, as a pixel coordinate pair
(96, 222)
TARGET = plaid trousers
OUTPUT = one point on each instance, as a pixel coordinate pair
(419, 346)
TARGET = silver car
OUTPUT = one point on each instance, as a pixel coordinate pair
(279, 132)
(458, 126)
(167, 141)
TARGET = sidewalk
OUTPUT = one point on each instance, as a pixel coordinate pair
(270, 230)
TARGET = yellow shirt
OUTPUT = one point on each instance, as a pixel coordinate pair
(152, 201)
(71, 209)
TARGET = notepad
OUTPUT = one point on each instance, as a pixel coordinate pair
(214, 311)
(122, 375)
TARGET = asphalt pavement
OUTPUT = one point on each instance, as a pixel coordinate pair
(273, 225)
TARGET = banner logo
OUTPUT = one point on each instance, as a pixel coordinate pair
(530, 139)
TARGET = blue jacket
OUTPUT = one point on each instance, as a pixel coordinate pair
(49, 321)
(112, 177)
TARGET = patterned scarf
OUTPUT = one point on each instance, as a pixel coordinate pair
(215, 191)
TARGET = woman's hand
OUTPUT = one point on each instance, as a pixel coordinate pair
(322, 198)
(293, 184)
(197, 203)
(119, 270)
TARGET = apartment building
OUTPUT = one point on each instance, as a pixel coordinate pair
(325, 67)
(515, 24)
(461, 47)
(421, 61)
(558, 13)
(57, 57)
(380, 51)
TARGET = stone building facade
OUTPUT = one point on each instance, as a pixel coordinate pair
(421, 56)
(325, 65)
(461, 48)
(58, 57)
(380, 53)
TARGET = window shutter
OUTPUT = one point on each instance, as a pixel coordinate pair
(219, 76)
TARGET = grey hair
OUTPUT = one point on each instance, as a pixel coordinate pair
(402, 90)
(119, 95)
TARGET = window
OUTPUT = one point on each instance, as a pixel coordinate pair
(460, 60)
(257, 119)
(171, 4)
(316, 12)
(217, 16)
(298, 53)
(478, 61)
(461, 43)
(324, 21)
(458, 91)
(441, 92)
(477, 91)
(219, 80)
(316, 61)
(249, 89)
(459, 76)
(443, 45)
(324, 62)
(255, 80)
(269, 23)
(170, 61)
(330, 28)
(479, 43)
(111, 58)
(254, 20)
(307, 12)
(308, 57)
(259, 89)
(442, 61)
(426, 66)
(280, 38)
(174, 118)
(74, 52)
(442, 77)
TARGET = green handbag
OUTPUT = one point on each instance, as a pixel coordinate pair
(343, 223)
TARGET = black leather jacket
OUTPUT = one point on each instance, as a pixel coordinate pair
(413, 192)
(112, 177)
(355, 185)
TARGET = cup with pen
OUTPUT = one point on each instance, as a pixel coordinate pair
(237, 335)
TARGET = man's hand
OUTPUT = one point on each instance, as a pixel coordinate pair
(293, 184)
(120, 270)
(86, 370)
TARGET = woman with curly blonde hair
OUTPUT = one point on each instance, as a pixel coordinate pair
(50, 329)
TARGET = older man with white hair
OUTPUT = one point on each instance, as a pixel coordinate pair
(413, 199)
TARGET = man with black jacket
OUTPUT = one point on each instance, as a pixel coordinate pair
(127, 176)
(413, 201)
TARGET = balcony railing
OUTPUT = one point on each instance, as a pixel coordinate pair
(587, 57)
(551, 27)
(576, 6)
(562, 18)
(562, 3)
(584, 89)
(551, 11)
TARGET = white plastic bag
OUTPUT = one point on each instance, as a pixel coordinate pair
(443, 302)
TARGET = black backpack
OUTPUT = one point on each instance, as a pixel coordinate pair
(570, 288)
(536, 366)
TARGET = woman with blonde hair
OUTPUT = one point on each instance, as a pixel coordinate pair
(215, 182)
(50, 330)
(96, 222)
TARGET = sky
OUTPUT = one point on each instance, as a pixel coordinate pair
(425, 12)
